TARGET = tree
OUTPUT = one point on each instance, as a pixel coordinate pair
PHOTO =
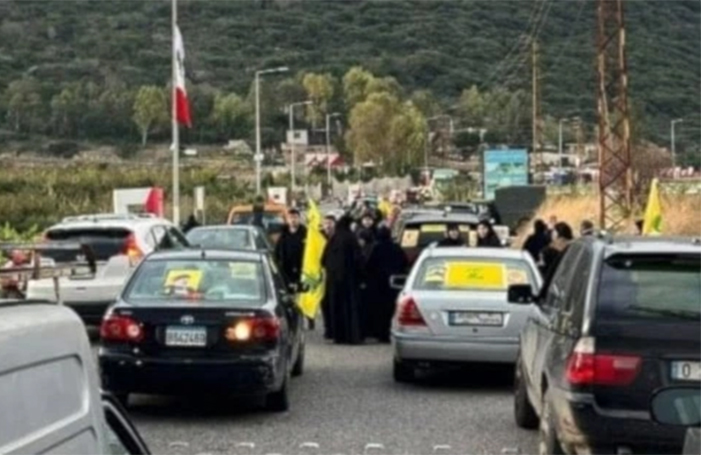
(232, 116)
(355, 83)
(150, 110)
(472, 107)
(426, 103)
(69, 109)
(408, 135)
(24, 104)
(319, 88)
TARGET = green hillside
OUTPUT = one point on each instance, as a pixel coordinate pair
(442, 46)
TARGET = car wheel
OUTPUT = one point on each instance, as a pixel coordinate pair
(523, 410)
(278, 401)
(403, 372)
(548, 444)
(298, 367)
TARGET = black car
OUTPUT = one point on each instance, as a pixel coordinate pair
(204, 321)
(619, 319)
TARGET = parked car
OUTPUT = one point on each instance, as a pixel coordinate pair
(418, 232)
(49, 387)
(118, 242)
(453, 309)
(619, 319)
(211, 321)
(230, 237)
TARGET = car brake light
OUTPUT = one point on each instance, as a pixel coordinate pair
(254, 329)
(586, 367)
(408, 313)
(121, 328)
(132, 250)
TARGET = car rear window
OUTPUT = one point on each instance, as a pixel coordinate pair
(472, 274)
(273, 222)
(104, 242)
(200, 281)
(644, 287)
(422, 235)
(226, 238)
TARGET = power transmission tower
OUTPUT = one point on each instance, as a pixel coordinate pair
(537, 147)
(615, 171)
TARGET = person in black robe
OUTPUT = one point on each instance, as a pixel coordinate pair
(329, 228)
(190, 224)
(538, 240)
(341, 260)
(486, 237)
(562, 236)
(366, 240)
(386, 259)
(452, 236)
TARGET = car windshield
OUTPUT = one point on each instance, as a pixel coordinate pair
(422, 235)
(201, 281)
(472, 274)
(660, 286)
(220, 238)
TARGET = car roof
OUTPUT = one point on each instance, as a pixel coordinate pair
(647, 245)
(108, 220)
(481, 253)
(443, 218)
(233, 227)
(215, 254)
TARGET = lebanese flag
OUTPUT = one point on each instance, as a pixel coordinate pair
(182, 104)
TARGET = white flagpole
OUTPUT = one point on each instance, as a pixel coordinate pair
(174, 115)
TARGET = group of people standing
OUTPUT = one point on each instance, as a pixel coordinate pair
(486, 236)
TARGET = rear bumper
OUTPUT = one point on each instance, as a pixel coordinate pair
(584, 427)
(420, 348)
(127, 374)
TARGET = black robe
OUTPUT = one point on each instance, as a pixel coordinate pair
(341, 260)
(385, 259)
(289, 253)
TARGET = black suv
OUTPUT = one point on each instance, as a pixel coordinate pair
(619, 318)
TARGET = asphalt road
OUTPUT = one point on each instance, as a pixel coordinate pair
(346, 403)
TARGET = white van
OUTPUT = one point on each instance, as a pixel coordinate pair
(50, 399)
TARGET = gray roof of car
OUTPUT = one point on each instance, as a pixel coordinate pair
(443, 218)
(235, 227)
(196, 253)
(471, 252)
(649, 245)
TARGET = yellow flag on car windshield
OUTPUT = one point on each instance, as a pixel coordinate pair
(652, 224)
(312, 273)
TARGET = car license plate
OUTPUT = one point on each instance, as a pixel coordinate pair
(475, 318)
(188, 337)
(686, 371)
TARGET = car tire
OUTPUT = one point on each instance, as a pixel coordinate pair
(402, 372)
(548, 443)
(524, 413)
(278, 401)
(298, 368)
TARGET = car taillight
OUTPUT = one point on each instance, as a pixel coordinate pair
(132, 250)
(408, 313)
(265, 329)
(121, 328)
(586, 367)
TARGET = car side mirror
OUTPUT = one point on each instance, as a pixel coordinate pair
(397, 281)
(521, 294)
(678, 406)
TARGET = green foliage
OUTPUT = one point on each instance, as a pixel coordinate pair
(150, 110)
(10, 234)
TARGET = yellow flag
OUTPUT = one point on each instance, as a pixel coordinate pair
(652, 224)
(312, 273)
(385, 208)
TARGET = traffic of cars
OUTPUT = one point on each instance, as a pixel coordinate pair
(606, 350)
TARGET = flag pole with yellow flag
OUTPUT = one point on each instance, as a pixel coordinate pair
(312, 272)
(652, 223)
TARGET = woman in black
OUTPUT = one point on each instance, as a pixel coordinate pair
(538, 241)
(486, 237)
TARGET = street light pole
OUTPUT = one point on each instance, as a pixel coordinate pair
(293, 154)
(559, 148)
(259, 157)
(674, 142)
(328, 146)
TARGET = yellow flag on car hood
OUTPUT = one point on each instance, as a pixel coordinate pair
(652, 224)
(312, 273)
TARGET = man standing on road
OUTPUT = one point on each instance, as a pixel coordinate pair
(289, 250)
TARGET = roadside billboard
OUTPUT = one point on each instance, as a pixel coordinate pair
(502, 168)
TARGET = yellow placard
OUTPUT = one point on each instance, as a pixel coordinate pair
(410, 238)
(433, 228)
(476, 275)
(183, 281)
(435, 274)
(243, 270)
(515, 276)
(464, 228)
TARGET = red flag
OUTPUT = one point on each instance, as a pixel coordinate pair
(154, 202)
(182, 104)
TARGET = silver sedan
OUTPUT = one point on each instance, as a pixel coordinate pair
(453, 308)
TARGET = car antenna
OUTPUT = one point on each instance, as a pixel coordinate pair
(203, 255)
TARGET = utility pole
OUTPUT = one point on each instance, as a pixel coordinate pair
(536, 152)
(328, 146)
(259, 155)
(673, 144)
(293, 154)
(615, 170)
